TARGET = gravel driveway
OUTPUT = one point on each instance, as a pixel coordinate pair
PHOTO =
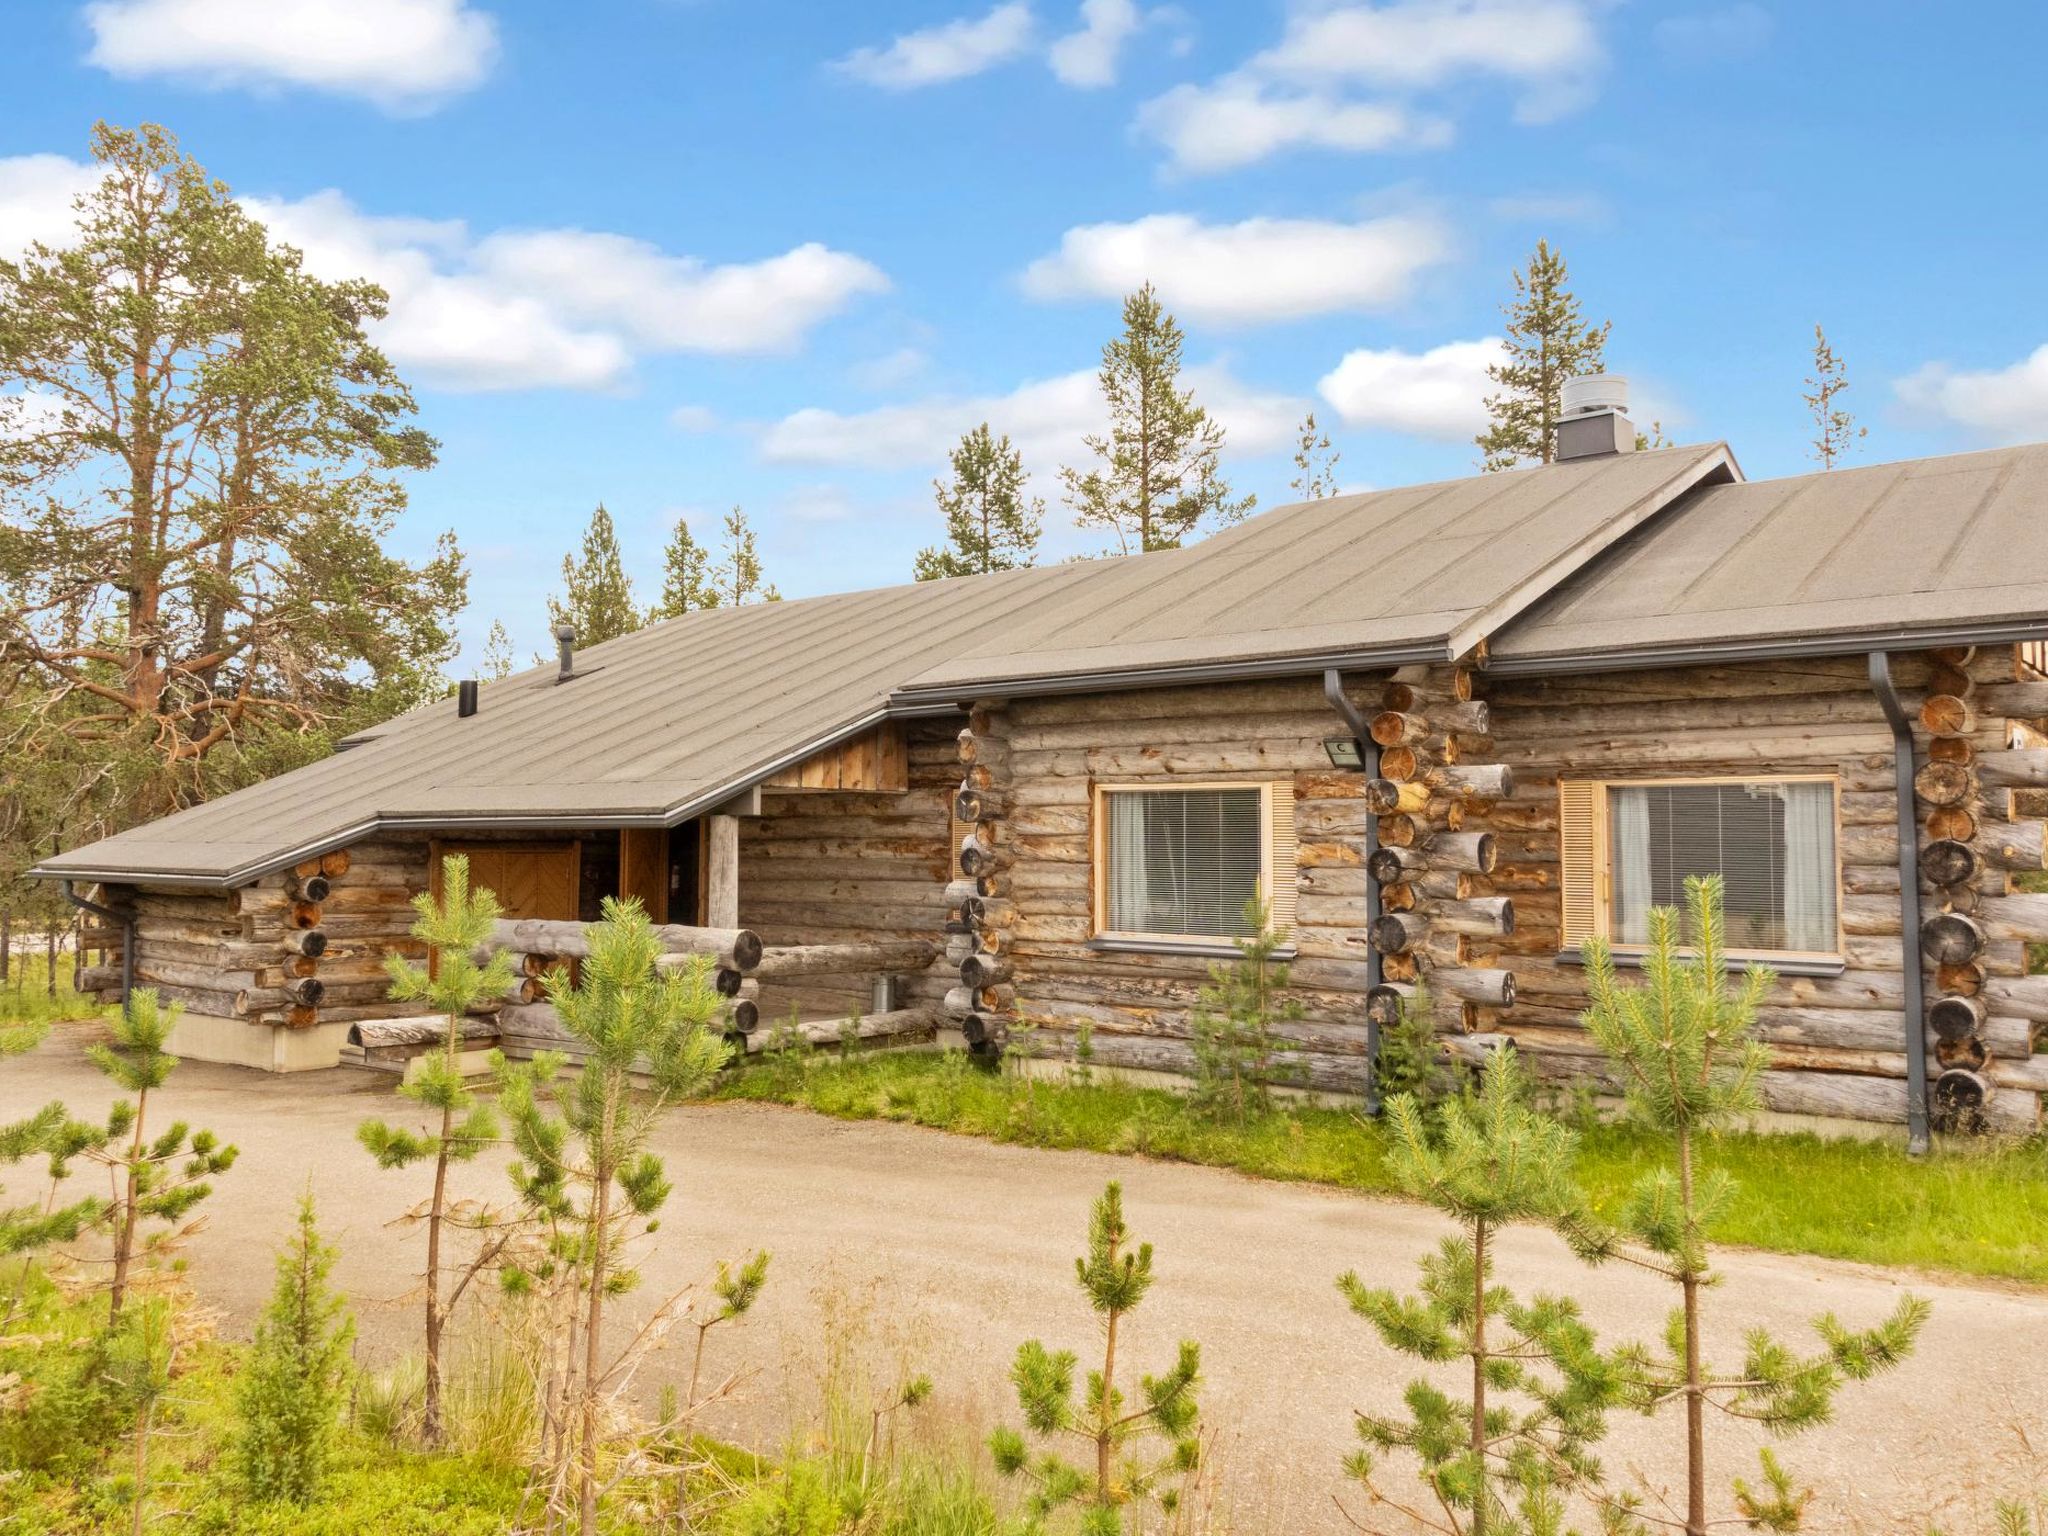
(953, 1250)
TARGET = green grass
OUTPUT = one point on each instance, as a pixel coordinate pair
(27, 998)
(1970, 1208)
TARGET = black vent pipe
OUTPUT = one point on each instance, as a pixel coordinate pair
(465, 698)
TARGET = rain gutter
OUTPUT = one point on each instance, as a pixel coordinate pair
(1909, 902)
(125, 916)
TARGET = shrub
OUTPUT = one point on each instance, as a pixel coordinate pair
(290, 1396)
(1234, 1044)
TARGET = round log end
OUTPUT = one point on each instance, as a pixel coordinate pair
(746, 1016)
(313, 943)
(746, 949)
(314, 888)
(1955, 1018)
(305, 914)
(1948, 862)
(1958, 1101)
(727, 981)
(1951, 938)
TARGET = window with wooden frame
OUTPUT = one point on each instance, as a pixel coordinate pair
(1628, 845)
(1179, 862)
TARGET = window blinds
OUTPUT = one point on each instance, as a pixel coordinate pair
(1773, 844)
(1182, 862)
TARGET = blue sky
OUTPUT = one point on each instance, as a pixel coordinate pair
(681, 254)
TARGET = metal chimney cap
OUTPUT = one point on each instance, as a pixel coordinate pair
(565, 631)
(1591, 392)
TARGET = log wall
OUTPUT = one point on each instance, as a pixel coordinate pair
(843, 867)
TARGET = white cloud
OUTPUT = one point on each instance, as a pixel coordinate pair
(693, 418)
(1045, 418)
(951, 51)
(1550, 47)
(401, 54)
(892, 370)
(1087, 58)
(1239, 121)
(2004, 405)
(1348, 77)
(1254, 271)
(36, 193)
(1438, 393)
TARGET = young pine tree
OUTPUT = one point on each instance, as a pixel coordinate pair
(155, 1180)
(1156, 475)
(989, 524)
(1235, 1011)
(1119, 1476)
(736, 579)
(585, 1173)
(686, 584)
(290, 1394)
(460, 1125)
(51, 1134)
(1315, 462)
(1501, 1461)
(1548, 341)
(597, 595)
(1834, 427)
(1684, 1046)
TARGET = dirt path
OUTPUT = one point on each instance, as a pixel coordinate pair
(956, 1250)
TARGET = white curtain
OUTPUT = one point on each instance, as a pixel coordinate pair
(1131, 899)
(1629, 850)
(1809, 873)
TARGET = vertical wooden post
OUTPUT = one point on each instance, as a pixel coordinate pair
(722, 885)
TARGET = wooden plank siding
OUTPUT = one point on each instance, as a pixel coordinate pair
(873, 762)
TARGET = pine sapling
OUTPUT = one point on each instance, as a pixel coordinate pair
(1685, 1049)
(737, 1290)
(1234, 1045)
(1119, 1475)
(1503, 1460)
(650, 1039)
(154, 1180)
(290, 1396)
(453, 928)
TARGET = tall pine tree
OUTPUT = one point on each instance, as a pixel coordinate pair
(1548, 342)
(1315, 462)
(989, 524)
(1834, 427)
(686, 584)
(597, 599)
(736, 579)
(1156, 475)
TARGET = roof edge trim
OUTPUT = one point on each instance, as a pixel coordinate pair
(1115, 679)
(1848, 643)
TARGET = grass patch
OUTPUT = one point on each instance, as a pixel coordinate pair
(28, 998)
(1972, 1208)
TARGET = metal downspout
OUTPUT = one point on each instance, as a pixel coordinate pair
(125, 916)
(1917, 1139)
(1369, 755)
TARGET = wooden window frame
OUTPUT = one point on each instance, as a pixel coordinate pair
(1602, 872)
(1270, 791)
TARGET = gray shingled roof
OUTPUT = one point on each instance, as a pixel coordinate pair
(1845, 559)
(666, 723)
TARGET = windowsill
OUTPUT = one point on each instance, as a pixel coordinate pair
(1199, 949)
(1784, 965)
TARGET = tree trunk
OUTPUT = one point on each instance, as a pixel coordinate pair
(1695, 1391)
(1481, 1483)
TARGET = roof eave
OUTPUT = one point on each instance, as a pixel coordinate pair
(1775, 648)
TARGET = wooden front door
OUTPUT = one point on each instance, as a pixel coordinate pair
(529, 879)
(643, 869)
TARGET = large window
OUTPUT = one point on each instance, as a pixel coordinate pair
(1629, 847)
(1182, 863)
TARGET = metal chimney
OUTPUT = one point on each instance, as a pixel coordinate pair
(565, 637)
(465, 698)
(1593, 417)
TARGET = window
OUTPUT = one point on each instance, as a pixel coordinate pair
(1628, 847)
(1182, 862)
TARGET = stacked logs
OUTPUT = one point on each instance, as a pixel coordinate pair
(539, 947)
(981, 917)
(1430, 870)
(1973, 843)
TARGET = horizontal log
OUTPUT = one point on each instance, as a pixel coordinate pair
(2014, 844)
(979, 857)
(1394, 933)
(310, 942)
(2024, 997)
(1481, 914)
(896, 1024)
(971, 804)
(1473, 781)
(872, 956)
(1388, 865)
(734, 948)
(984, 970)
(1463, 850)
(1487, 986)
(2024, 769)
(1391, 728)
(2015, 701)
(210, 978)
(1384, 797)
(429, 1029)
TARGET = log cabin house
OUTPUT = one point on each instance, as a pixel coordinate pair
(1446, 731)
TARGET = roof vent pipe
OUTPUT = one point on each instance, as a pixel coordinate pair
(1593, 417)
(465, 698)
(565, 637)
